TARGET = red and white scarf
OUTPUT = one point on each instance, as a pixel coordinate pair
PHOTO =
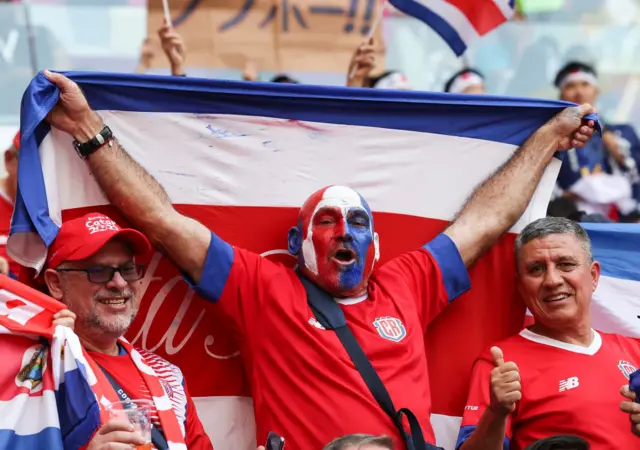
(171, 428)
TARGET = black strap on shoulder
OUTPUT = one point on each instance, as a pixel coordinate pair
(157, 437)
(330, 316)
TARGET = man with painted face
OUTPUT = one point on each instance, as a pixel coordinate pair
(304, 385)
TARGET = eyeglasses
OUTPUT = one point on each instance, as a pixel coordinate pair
(104, 274)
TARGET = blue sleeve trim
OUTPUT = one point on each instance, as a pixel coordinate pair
(465, 433)
(217, 268)
(454, 273)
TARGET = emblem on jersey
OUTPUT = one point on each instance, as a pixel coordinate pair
(390, 328)
(626, 368)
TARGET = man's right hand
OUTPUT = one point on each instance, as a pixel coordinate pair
(115, 435)
(72, 113)
(505, 384)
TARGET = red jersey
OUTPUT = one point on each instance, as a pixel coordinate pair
(566, 389)
(6, 211)
(125, 372)
(304, 385)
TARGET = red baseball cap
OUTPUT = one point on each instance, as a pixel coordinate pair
(82, 237)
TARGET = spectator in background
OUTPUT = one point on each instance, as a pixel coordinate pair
(360, 442)
(466, 81)
(147, 55)
(363, 62)
(8, 189)
(559, 376)
(604, 154)
(283, 78)
(390, 79)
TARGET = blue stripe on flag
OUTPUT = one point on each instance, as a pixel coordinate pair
(616, 246)
(78, 408)
(434, 21)
(48, 439)
(498, 119)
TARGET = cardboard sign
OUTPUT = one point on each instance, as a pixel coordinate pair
(278, 35)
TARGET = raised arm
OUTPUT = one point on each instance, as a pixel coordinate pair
(129, 187)
(500, 201)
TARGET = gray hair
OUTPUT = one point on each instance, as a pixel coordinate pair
(360, 440)
(554, 225)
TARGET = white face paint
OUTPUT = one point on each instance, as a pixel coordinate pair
(345, 199)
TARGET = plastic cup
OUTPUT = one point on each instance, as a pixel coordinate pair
(138, 414)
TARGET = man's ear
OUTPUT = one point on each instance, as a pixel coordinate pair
(53, 281)
(294, 240)
(595, 274)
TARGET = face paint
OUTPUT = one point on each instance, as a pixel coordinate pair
(337, 251)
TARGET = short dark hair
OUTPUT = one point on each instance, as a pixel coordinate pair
(560, 442)
(553, 225)
(283, 78)
(573, 66)
(372, 81)
(359, 440)
(449, 83)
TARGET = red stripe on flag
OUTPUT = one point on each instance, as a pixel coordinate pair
(484, 15)
(489, 312)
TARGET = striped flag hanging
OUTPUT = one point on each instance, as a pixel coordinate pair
(459, 22)
(46, 396)
(242, 158)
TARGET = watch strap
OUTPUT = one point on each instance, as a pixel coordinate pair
(95, 143)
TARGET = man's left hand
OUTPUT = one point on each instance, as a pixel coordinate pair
(632, 408)
(569, 127)
(64, 318)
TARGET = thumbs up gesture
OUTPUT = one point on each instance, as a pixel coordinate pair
(505, 384)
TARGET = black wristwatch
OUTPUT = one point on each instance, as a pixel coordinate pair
(97, 142)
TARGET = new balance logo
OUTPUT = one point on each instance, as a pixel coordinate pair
(569, 383)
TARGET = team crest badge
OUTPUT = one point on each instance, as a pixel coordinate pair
(34, 365)
(390, 328)
(626, 368)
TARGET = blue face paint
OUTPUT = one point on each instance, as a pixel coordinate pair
(337, 251)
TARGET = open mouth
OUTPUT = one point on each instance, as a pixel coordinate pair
(345, 256)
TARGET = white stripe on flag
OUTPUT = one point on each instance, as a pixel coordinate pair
(505, 8)
(273, 153)
(454, 17)
(28, 415)
(615, 306)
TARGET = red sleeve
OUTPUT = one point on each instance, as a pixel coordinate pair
(196, 437)
(237, 280)
(435, 274)
(478, 400)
